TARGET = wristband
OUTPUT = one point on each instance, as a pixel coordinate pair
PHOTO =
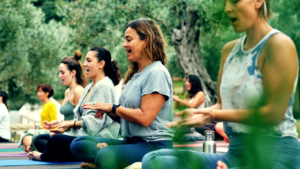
(74, 124)
(114, 107)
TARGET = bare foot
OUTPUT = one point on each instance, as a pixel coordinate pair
(88, 165)
(101, 145)
(221, 165)
(27, 149)
(34, 155)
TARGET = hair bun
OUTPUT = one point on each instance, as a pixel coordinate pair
(77, 55)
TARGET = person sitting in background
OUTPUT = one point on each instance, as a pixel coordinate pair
(4, 119)
(49, 113)
(196, 98)
(72, 74)
(104, 74)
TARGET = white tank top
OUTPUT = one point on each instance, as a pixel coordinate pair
(201, 106)
(242, 88)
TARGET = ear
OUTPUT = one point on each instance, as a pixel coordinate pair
(73, 73)
(101, 64)
(145, 42)
(258, 4)
(47, 94)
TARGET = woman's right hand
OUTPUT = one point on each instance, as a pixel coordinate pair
(51, 125)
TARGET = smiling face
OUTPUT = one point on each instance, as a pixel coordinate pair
(65, 74)
(133, 45)
(92, 65)
(42, 95)
(188, 85)
(242, 13)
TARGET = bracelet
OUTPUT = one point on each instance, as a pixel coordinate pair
(114, 107)
(74, 124)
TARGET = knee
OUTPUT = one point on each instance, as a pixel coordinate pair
(149, 158)
(75, 146)
(106, 158)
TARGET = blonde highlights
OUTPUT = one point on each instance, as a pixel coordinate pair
(149, 30)
(265, 11)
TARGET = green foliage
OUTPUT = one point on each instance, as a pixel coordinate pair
(30, 50)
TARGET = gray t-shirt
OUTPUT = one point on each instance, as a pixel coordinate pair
(154, 78)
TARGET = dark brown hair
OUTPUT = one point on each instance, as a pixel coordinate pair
(46, 88)
(111, 68)
(74, 63)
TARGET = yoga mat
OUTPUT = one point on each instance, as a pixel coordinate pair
(8, 147)
(13, 155)
(4, 163)
(11, 150)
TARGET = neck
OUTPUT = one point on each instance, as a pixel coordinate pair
(143, 63)
(73, 84)
(46, 100)
(256, 33)
(99, 76)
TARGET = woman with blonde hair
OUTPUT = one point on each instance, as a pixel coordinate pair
(256, 88)
(146, 104)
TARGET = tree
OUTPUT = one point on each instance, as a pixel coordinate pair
(102, 22)
(30, 50)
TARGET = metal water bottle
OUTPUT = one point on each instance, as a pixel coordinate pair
(209, 145)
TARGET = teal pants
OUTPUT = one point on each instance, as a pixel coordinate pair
(245, 151)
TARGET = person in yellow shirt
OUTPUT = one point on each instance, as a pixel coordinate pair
(49, 113)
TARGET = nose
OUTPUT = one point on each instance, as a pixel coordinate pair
(84, 64)
(227, 7)
(125, 44)
(59, 75)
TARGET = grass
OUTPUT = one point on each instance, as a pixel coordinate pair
(178, 87)
(298, 126)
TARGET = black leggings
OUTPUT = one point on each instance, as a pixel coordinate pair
(55, 148)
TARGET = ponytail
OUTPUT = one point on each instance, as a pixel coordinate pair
(111, 68)
(113, 72)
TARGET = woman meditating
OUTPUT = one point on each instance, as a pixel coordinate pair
(146, 104)
(72, 74)
(256, 88)
(104, 74)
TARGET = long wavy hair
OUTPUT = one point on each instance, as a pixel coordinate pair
(196, 86)
(155, 49)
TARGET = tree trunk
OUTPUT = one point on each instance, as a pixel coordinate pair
(186, 43)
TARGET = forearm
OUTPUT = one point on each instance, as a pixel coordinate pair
(259, 116)
(185, 103)
(114, 117)
(71, 124)
(132, 115)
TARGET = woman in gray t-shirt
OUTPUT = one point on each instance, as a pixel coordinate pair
(146, 104)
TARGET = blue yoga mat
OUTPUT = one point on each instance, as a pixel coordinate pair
(29, 162)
